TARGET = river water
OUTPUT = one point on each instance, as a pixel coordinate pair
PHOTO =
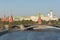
(32, 35)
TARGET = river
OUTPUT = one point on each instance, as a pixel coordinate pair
(32, 35)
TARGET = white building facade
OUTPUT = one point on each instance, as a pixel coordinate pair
(35, 18)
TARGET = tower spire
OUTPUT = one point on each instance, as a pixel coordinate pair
(39, 15)
(11, 13)
(4, 16)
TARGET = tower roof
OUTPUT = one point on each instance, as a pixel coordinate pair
(51, 10)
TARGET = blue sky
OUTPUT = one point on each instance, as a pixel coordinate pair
(29, 7)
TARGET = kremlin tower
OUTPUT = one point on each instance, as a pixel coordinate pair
(10, 19)
(7, 19)
(39, 20)
(3, 19)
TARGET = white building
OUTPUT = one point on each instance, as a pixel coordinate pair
(35, 18)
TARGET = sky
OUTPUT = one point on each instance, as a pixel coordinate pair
(29, 7)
